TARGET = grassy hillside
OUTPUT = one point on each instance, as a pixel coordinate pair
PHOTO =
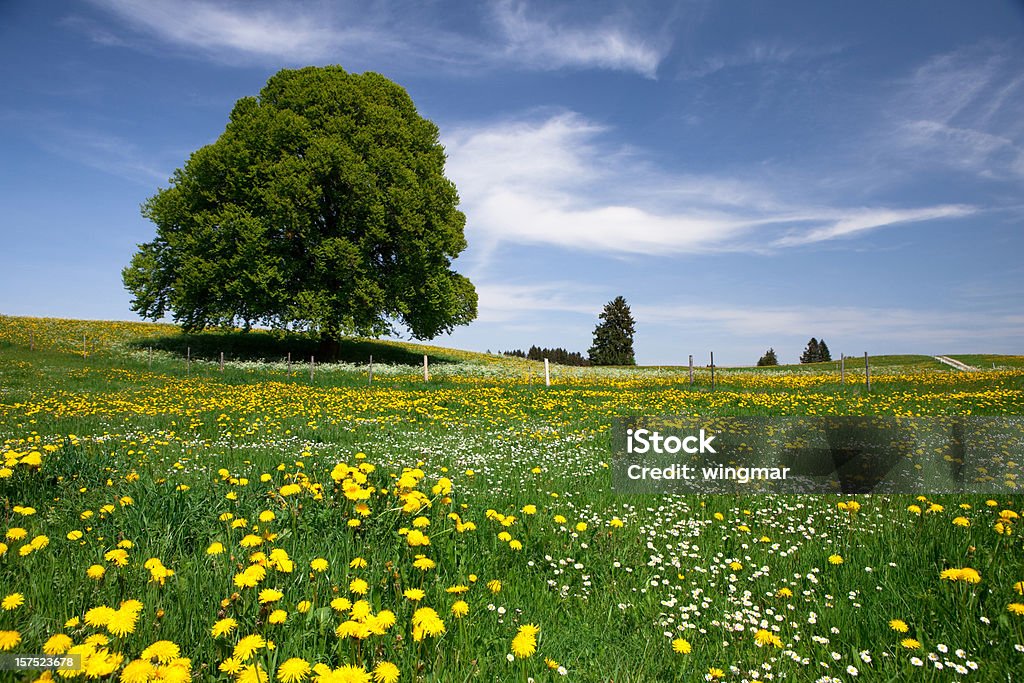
(164, 519)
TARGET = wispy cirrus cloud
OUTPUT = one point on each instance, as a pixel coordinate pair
(553, 180)
(92, 146)
(384, 32)
(547, 44)
(759, 53)
(511, 302)
(882, 323)
(236, 29)
(961, 110)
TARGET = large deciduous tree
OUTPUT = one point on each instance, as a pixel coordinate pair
(613, 336)
(323, 206)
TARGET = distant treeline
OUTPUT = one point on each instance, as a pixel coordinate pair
(559, 355)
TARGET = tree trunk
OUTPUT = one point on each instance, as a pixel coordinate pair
(328, 349)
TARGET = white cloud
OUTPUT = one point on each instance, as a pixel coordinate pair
(552, 181)
(215, 28)
(855, 221)
(546, 45)
(381, 33)
(500, 303)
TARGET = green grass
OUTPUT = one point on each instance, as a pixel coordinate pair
(987, 361)
(604, 597)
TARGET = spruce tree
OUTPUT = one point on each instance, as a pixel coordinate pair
(769, 358)
(613, 336)
(811, 353)
(823, 353)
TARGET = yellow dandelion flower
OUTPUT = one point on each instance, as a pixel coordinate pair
(138, 671)
(223, 627)
(57, 644)
(163, 651)
(13, 601)
(385, 672)
(766, 637)
(294, 670)
(247, 647)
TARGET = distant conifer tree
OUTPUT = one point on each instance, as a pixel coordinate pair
(613, 336)
(811, 353)
(768, 358)
(823, 353)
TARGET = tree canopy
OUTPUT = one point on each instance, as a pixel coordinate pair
(613, 336)
(323, 206)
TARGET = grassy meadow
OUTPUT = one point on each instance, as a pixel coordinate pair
(173, 520)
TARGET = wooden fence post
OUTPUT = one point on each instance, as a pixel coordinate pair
(312, 364)
(712, 371)
(150, 357)
(547, 374)
(867, 372)
(426, 370)
(842, 369)
(188, 361)
(370, 376)
(31, 341)
(84, 350)
(222, 362)
(289, 363)
(691, 369)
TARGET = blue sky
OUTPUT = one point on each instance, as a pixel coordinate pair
(746, 174)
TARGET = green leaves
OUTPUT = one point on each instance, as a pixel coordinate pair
(322, 206)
